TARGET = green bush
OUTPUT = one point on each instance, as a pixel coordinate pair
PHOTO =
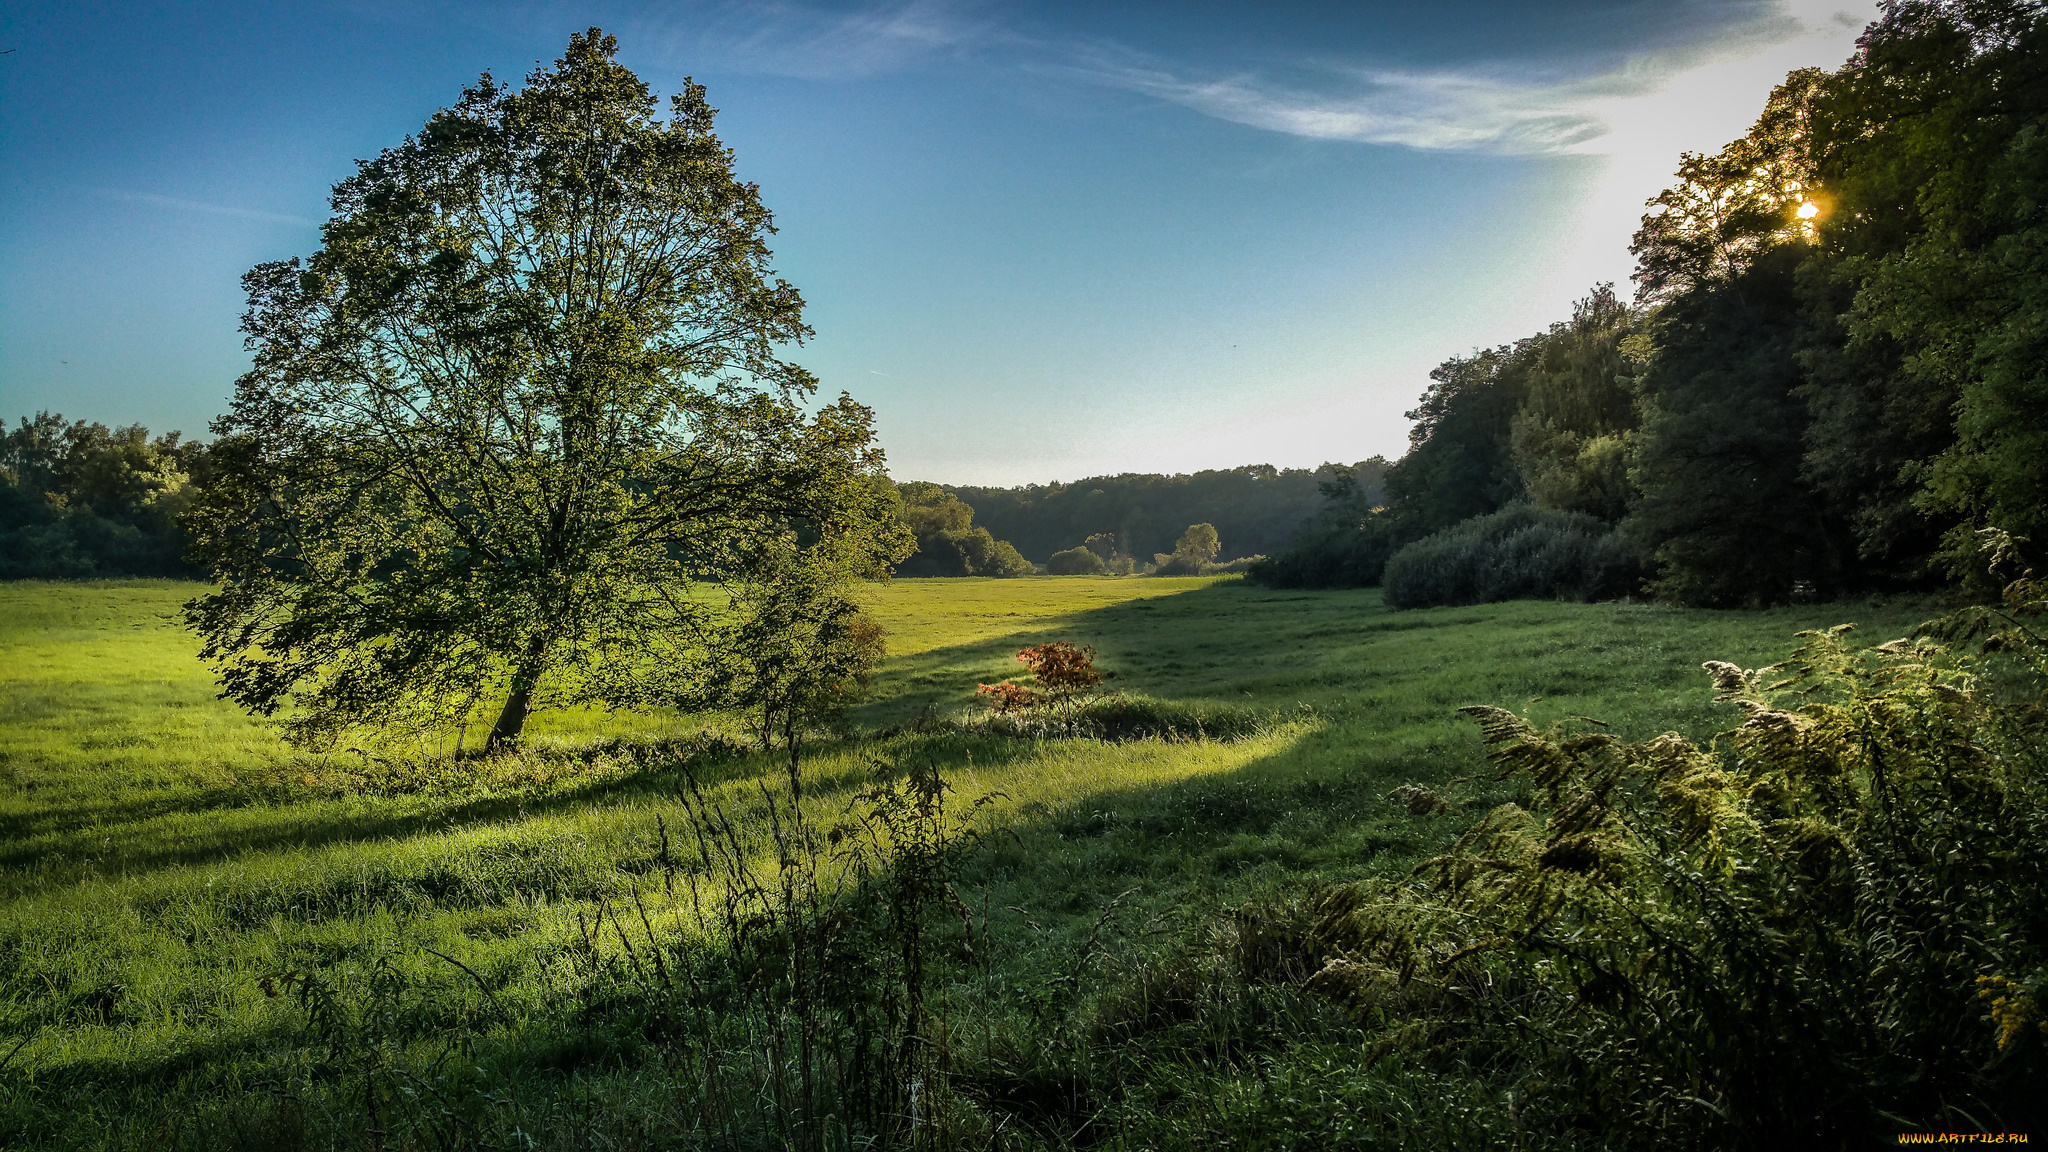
(1333, 558)
(1517, 553)
(1078, 561)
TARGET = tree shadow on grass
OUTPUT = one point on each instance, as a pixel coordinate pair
(1286, 813)
(1189, 644)
(120, 834)
(1201, 644)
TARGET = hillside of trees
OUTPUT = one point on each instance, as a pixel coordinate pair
(80, 500)
(1255, 509)
(1831, 379)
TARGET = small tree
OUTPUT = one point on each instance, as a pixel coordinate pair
(1192, 554)
(1116, 558)
(1199, 542)
(1064, 675)
(800, 650)
(525, 396)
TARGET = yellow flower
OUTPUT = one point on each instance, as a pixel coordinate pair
(2012, 1010)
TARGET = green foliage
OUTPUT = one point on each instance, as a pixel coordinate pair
(1572, 435)
(1199, 542)
(1337, 557)
(798, 650)
(807, 1006)
(1891, 334)
(1079, 561)
(1934, 143)
(83, 500)
(1724, 510)
(1782, 936)
(1109, 548)
(1550, 419)
(1194, 554)
(482, 454)
(948, 542)
(1831, 381)
(1257, 507)
(1460, 462)
(1519, 552)
(1729, 208)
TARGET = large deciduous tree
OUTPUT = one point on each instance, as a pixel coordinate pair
(525, 399)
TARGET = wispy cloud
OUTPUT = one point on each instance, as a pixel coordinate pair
(781, 38)
(1494, 109)
(1497, 108)
(1451, 111)
(200, 206)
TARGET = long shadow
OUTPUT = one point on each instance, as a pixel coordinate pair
(1194, 644)
(1075, 860)
(1199, 644)
(21, 863)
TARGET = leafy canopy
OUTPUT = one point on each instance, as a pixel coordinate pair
(523, 399)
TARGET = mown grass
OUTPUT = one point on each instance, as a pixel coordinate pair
(167, 860)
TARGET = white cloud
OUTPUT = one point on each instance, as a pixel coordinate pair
(1500, 110)
(1431, 110)
(1633, 120)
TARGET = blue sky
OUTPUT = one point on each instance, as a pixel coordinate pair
(1043, 240)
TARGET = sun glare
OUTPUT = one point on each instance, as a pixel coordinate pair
(1809, 210)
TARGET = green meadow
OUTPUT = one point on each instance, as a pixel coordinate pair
(169, 865)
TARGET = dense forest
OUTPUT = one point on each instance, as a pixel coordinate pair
(1830, 380)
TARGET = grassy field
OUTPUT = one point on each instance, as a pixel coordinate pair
(168, 861)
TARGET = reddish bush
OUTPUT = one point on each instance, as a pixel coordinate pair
(1064, 673)
(1007, 698)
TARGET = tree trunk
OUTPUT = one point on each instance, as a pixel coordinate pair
(512, 717)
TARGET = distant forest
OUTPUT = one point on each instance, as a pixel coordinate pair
(1255, 509)
(80, 500)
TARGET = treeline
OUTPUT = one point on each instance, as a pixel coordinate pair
(1833, 378)
(950, 543)
(1254, 509)
(82, 500)
(79, 499)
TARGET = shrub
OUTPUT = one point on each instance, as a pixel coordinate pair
(1516, 553)
(1333, 558)
(1790, 935)
(1064, 674)
(1075, 562)
(1118, 718)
